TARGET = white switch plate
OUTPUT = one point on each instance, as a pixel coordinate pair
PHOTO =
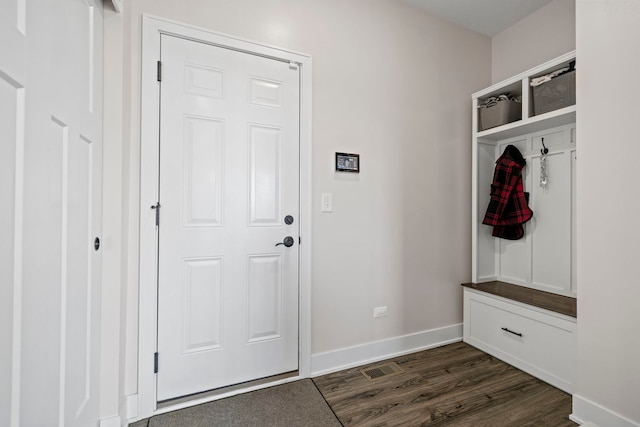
(380, 311)
(327, 202)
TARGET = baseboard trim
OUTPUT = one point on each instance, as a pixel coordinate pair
(348, 357)
(586, 412)
(128, 411)
(111, 422)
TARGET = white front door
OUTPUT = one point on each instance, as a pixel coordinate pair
(50, 211)
(228, 194)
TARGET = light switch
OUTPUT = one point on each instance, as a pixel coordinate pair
(327, 202)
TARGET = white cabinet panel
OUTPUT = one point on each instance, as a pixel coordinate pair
(515, 262)
(551, 235)
(486, 245)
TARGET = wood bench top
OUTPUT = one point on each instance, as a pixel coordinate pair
(547, 300)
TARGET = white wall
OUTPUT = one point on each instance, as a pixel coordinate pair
(545, 34)
(608, 375)
(393, 84)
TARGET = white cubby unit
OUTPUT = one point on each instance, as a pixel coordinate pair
(521, 304)
(544, 258)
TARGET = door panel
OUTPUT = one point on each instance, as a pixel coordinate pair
(202, 305)
(265, 297)
(265, 175)
(229, 174)
(204, 160)
(78, 333)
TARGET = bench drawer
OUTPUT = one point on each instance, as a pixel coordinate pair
(535, 340)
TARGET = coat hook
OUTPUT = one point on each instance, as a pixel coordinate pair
(546, 150)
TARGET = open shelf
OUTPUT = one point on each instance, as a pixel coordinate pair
(532, 124)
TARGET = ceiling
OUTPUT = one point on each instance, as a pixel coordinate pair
(488, 17)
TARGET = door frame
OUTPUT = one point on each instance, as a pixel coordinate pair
(152, 28)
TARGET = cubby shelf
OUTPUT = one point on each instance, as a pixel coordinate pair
(519, 86)
(533, 124)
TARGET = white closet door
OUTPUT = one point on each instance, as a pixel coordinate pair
(50, 168)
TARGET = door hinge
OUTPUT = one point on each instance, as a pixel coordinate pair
(299, 240)
(156, 207)
(159, 71)
(155, 362)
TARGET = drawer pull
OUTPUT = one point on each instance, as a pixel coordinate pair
(511, 332)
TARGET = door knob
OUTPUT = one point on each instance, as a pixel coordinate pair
(288, 242)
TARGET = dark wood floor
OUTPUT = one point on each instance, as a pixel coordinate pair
(453, 385)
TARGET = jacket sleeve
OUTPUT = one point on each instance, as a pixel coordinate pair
(505, 178)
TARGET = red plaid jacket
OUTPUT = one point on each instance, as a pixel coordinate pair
(508, 207)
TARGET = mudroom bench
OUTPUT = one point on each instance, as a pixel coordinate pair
(530, 329)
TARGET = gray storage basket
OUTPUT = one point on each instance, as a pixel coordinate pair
(502, 113)
(557, 93)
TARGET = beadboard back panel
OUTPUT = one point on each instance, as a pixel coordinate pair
(545, 257)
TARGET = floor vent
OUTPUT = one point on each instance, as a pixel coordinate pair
(381, 371)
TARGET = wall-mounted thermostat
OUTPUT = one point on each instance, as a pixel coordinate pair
(346, 162)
